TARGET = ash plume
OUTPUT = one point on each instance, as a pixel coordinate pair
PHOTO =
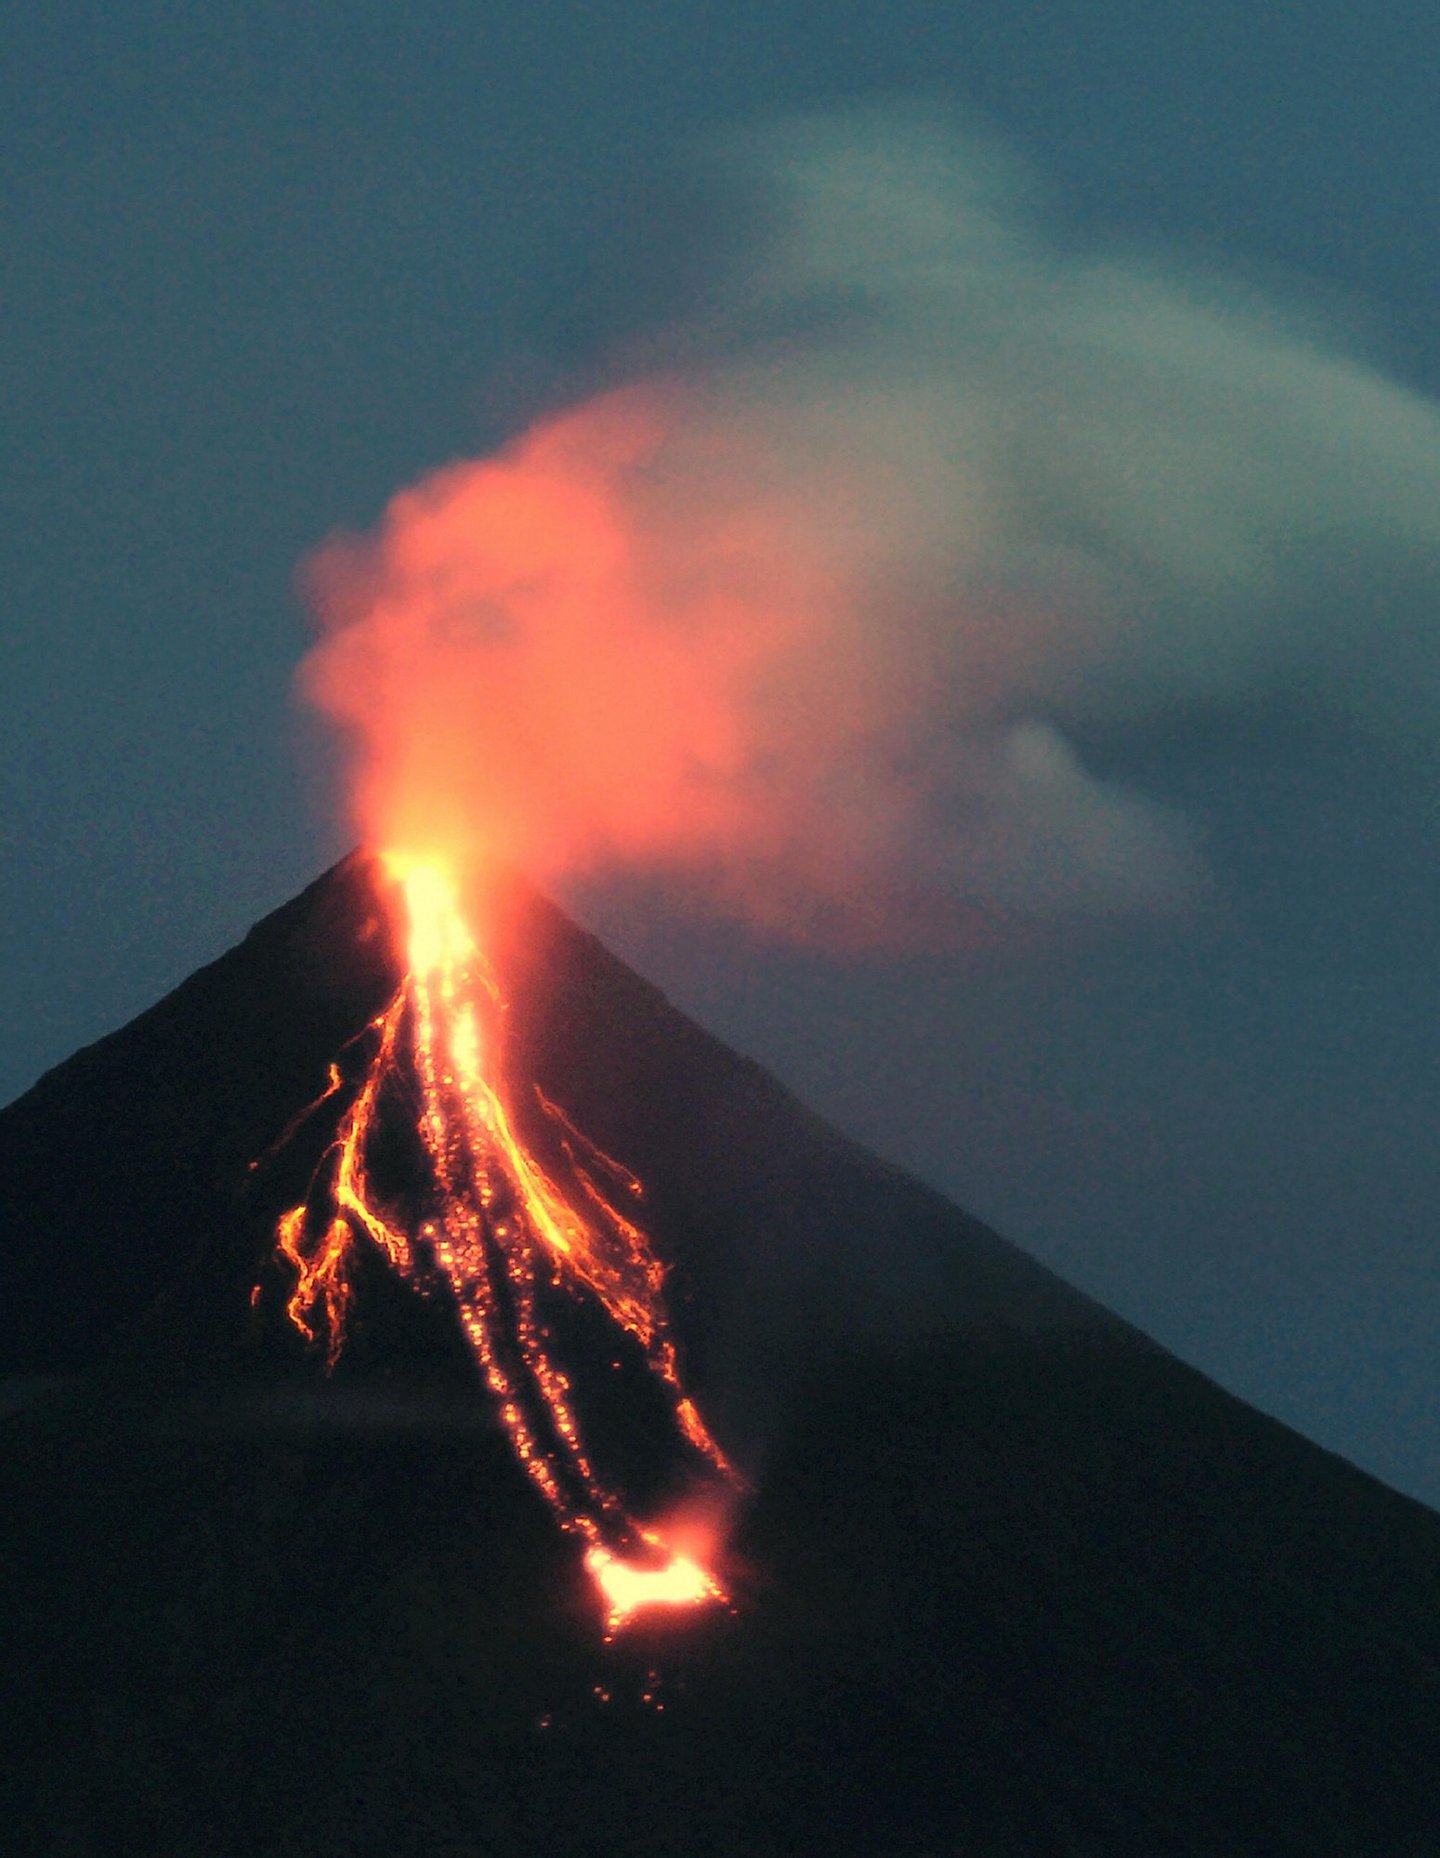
(823, 612)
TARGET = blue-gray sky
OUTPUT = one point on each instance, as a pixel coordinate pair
(262, 267)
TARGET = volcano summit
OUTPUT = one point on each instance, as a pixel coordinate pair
(1004, 1576)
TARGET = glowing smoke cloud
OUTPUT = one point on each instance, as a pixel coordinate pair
(811, 617)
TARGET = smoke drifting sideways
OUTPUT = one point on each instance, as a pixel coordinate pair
(807, 614)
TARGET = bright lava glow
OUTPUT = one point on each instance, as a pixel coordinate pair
(500, 1229)
(629, 1587)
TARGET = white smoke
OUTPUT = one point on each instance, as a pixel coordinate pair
(1061, 489)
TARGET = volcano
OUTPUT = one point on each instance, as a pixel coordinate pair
(1005, 1578)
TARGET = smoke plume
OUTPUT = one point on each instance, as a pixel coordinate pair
(810, 614)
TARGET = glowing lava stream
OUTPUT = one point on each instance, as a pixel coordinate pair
(501, 1228)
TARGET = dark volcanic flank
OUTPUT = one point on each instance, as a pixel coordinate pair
(1012, 1578)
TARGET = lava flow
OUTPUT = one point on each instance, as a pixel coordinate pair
(499, 1229)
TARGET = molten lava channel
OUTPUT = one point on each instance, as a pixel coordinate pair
(501, 1228)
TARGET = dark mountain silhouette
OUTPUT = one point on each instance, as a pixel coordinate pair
(1011, 1579)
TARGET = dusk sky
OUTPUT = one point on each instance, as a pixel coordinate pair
(263, 268)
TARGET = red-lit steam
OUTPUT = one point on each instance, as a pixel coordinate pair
(644, 637)
(637, 639)
(552, 657)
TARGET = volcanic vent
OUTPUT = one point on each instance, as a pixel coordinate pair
(1009, 1578)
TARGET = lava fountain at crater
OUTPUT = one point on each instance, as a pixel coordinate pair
(499, 1228)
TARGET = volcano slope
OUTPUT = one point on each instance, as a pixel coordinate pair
(1010, 1579)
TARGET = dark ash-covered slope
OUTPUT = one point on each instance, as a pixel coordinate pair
(1012, 1579)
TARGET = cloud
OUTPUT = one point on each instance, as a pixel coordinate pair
(809, 614)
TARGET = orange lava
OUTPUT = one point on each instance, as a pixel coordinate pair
(629, 1587)
(501, 1229)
